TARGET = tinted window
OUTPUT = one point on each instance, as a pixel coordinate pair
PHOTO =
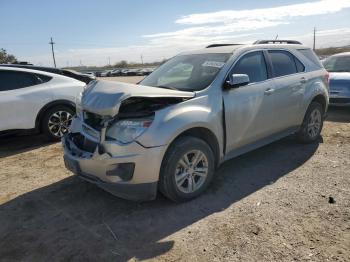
(253, 65)
(10, 80)
(282, 62)
(311, 56)
(43, 79)
(300, 66)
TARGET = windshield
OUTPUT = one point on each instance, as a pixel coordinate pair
(187, 72)
(337, 64)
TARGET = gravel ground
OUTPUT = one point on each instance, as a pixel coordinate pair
(283, 202)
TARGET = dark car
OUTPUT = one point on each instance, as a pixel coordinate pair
(116, 72)
(69, 73)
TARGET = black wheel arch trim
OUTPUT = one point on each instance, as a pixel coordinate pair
(207, 136)
(321, 99)
(60, 102)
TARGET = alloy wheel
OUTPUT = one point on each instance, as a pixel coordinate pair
(191, 171)
(314, 123)
(59, 123)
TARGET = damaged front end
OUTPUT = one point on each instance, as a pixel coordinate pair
(102, 145)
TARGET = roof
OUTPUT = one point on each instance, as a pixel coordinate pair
(232, 48)
(63, 72)
(32, 67)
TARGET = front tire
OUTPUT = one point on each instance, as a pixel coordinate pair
(311, 127)
(187, 169)
(56, 122)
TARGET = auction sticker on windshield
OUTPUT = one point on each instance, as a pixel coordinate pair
(213, 64)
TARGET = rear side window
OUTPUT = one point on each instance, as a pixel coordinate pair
(300, 66)
(11, 80)
(43, 78)
(253, 65)
(283, 63)
(311, 56)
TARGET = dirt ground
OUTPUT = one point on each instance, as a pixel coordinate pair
(283, 202)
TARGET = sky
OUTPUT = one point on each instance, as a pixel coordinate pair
(96, 32)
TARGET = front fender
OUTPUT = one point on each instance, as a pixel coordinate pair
(170, 122)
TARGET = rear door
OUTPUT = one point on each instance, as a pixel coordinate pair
(290, 81)
(20, 100)
(249, 110)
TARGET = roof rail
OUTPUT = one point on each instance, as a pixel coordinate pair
(218, 45)
(261, 42)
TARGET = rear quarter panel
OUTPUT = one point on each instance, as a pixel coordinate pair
(316, 85)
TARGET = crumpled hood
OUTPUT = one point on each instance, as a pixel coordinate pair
(105, 97)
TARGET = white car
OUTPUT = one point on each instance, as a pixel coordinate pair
(34, 100)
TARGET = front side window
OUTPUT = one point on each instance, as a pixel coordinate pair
(283, 63)
(187, 72)
(337, 64)
(11, 80)
(253, 65)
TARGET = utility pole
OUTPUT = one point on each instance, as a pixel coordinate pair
(53, 52)
(142, 59)
(314, 46)
(109, 61)
(276, 37)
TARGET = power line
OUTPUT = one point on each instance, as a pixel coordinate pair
(53, 52)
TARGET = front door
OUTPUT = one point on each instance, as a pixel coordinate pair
(250, 110)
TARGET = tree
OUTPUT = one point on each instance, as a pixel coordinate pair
(6, 58)
(121, 64)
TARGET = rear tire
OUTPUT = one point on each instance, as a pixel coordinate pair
(56, 121)
(311, 127)
(187, 169)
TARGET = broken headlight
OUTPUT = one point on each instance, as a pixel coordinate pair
(126, 131)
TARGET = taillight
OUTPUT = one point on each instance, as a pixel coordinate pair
(327, 77)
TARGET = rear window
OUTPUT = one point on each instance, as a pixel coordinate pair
(283, 63)
(311, 56)
(337, 64)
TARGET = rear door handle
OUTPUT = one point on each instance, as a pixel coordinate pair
(303, 80)
(269, 91)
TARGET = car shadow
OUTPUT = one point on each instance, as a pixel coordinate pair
(75, 220)
(338, 114)
(16, 144)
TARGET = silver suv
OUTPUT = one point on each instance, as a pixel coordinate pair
(172, 130)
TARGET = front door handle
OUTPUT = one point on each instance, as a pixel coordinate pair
(269, 91)
(303, 80)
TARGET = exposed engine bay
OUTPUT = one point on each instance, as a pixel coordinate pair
(145, 106)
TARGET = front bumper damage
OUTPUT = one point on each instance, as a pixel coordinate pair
(128, 171)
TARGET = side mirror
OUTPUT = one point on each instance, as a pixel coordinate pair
(237, 80)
